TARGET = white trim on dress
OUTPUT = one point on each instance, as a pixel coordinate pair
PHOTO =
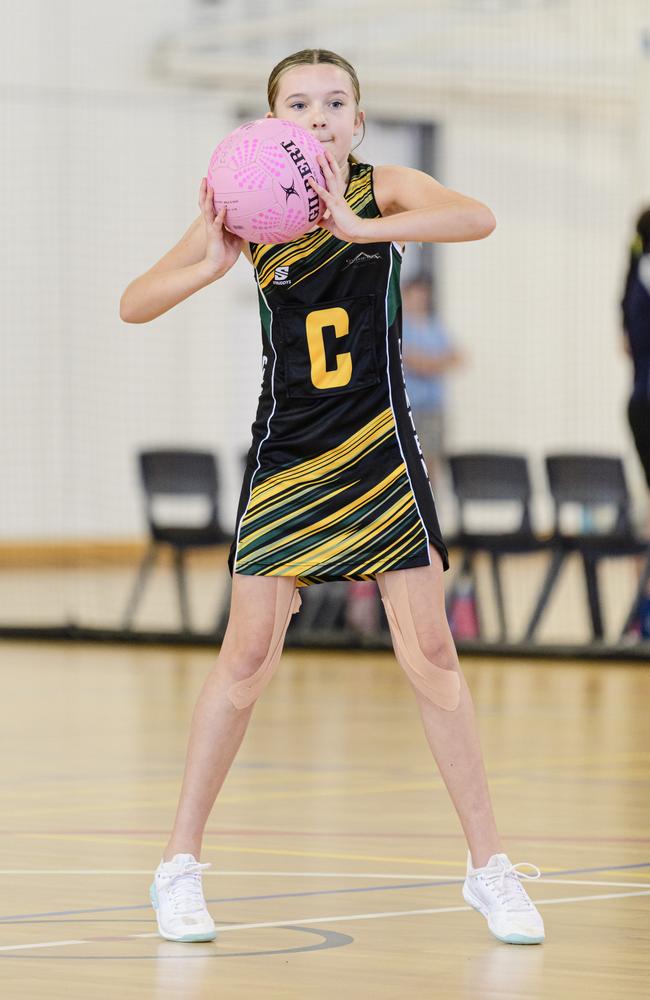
(390, 396)
(268, 424)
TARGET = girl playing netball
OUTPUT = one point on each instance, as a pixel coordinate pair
(335, 486)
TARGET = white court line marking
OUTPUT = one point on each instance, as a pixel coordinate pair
(263, 874)
(579, 899)
(42, 944)
(337, 919)
(579, 881)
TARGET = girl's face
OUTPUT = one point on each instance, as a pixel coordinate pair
(320, 98)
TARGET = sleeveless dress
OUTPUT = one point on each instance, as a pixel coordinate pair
(335, 486)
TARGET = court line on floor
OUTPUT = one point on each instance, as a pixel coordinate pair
(430, 783)
(323, 920)
(256, 795)
(167, 775)
(448, 880)
(425, 884)
(370, 834)
(275, 852)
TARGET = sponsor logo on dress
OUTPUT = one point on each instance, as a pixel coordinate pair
(282, 276)
(361, 258)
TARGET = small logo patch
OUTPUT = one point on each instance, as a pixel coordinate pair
(361, 258)
(282, 276)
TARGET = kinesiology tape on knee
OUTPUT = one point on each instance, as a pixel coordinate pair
(244, 693)
(439, 685)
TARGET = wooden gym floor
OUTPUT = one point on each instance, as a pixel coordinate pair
(337, 857)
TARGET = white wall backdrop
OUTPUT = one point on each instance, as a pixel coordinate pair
(99, 176)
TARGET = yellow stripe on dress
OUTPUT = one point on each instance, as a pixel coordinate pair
(340, 457)
(347, 539)
(342, 542)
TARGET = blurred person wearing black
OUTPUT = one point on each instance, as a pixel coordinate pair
(635, 306)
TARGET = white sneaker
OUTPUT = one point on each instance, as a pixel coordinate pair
(496, 891)
(177, 897)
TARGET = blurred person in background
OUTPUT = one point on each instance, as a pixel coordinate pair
(635, 306)
(428, 354)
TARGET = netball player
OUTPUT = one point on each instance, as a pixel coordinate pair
(335, 486)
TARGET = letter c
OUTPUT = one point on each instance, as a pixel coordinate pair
(316, 322)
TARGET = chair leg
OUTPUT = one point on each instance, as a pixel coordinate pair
(591, 579)
(335, 607)
(480, 623)
(179, 567)
(146, 564)
(498, 590)
(452, 593)
(223, 611)
(644, 580)
(313, 603)
(552, 574)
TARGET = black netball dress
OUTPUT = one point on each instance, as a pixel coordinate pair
(335, 486)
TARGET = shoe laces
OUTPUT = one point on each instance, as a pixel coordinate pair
(506, 883)
(184, 888)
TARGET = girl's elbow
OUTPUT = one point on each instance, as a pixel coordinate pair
(124, 308)
(487, 222)
(126, 314)
(480, 220)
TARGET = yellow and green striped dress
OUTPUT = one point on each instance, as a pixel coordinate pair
(335, 486)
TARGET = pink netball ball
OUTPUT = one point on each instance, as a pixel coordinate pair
(260, 173)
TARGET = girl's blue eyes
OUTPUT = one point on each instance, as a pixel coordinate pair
(340, 103)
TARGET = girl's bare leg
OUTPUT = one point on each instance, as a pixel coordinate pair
(452, 736)
(218, 727)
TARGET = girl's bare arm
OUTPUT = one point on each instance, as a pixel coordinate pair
(205, 252)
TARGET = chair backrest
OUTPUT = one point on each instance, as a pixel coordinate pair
(179, 472)
(491, 477)
(590, 481)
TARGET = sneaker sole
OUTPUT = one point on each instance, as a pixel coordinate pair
(205, 936)
(475, 903)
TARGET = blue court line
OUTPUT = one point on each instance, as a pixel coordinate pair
(26, 917)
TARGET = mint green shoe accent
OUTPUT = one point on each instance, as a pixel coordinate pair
(153, 894)
(208, 936)
(518, 939)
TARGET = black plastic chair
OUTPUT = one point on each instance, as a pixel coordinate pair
(597, 485)
(494, 478)
(176, 472)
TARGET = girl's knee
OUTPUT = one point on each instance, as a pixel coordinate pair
(252, 646)
(438, 647)
(245, 648)
(260, 611)
(247, 654)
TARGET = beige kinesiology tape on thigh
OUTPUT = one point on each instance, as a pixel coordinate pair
(439, 685)
(244, 693)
